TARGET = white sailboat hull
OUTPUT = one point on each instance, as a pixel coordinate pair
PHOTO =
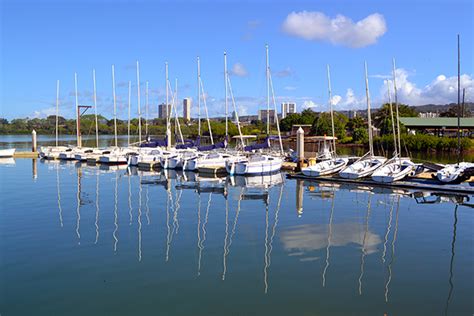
(254, 165)
(5, 153)
(454, 172)
(325, 167)
(394, 171)
(362, 168)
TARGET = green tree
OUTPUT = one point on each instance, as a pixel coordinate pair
(360, 135)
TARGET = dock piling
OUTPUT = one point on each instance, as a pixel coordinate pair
(300, 147)
(33, 141)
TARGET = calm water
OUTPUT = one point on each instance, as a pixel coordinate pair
(80, 240)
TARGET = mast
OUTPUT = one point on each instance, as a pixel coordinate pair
(369, 119)
(391, 115)
(226, 103)
(78, 132)
(139, 106)
(199, 95)
(57, 110)
(115, 104)
(268, 90)
(396, 107)
(168, 131)
(95, 108)
(459, 100)
(332, 114)
(129, 106)
(207, 113)
(175, 104)
(146, 109)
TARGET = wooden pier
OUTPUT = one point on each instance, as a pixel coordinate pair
(423, 183)
(25, 154)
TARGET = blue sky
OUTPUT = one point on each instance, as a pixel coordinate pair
(43, 41)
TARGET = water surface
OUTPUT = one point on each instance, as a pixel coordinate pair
(89, 240)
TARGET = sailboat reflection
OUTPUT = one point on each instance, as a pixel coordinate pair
(451, 264)
(78, 205)
(114, 234)
(97, 208)
(139, 219)
(202, 239)
(392, 259)
(174, 207)
(329, 239)
(269, 241)
(227, 245)
(364, 251)
(60, 209)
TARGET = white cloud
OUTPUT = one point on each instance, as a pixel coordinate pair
(45, 112)
(442, 90)
(238, 70)
(309, 104)
(341, 30)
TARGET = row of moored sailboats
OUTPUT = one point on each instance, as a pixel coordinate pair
(186, 154)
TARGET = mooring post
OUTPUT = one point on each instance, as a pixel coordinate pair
(299, 197)
(33, 141)
(300, 147)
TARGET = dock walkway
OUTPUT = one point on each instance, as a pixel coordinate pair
(423, 184)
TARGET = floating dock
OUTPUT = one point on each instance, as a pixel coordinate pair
(422, 182)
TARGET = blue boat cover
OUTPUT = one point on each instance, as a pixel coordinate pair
(265, 144)
(219, 145)
(155, 142)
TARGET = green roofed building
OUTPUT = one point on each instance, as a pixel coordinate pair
(442, 126)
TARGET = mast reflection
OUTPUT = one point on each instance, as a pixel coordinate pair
(329, 239)
(139, 219)
(364, 252)
(97, 207)
(269, 248)
(60, 209)
(114, 234)
(78, 207)
(226, 253)
(451, 264)
(392, 259)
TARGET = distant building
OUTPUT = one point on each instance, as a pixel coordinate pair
(352, 114)
(163, 110)
(187, 109)
(287, 108)
(262, 116)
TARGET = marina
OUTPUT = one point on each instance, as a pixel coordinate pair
(113, 230)
(235, 158)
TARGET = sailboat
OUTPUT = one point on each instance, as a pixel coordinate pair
(368, 163)
(215, 158)
(52, 152)
(93, 154)
(397, 167)
(461, 171)
(259, 163)
(70, 153)
(117, 155)
(335, 163)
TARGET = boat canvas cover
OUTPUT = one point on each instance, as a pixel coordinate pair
(264, 145)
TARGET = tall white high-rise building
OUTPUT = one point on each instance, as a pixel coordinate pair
(187, 109)
(287, 108)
